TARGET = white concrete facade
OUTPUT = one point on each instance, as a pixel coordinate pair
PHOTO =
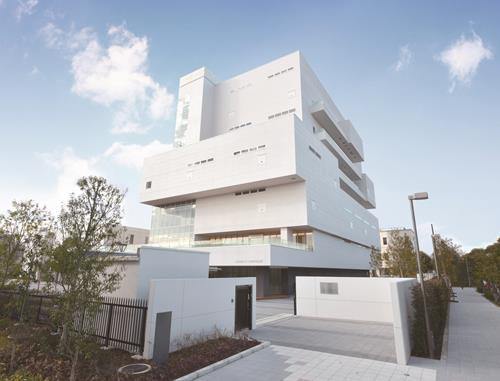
(265, 156)
(383, 300)
(133, 236)
(158, 263)
(387, 236)
(199, 307)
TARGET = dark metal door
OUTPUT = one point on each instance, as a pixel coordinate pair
(243, 308)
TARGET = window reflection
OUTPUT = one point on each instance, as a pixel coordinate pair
(173, 225)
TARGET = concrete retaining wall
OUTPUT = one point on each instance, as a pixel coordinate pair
(386, 300)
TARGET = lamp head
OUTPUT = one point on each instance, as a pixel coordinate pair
(419, 196)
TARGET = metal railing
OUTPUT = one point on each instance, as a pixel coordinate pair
(243, 241)
(118, 322)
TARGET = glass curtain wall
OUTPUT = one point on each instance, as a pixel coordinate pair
(173, 225)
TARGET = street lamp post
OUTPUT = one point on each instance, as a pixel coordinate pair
(430, 342)
(435, 251)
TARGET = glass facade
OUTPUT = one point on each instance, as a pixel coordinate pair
(301, 240)
(173, 225)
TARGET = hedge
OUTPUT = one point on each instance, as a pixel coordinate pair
(437, 296)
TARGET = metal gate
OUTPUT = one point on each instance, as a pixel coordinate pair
(243, 308)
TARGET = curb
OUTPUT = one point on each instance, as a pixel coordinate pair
(212, 367)
(444, 345)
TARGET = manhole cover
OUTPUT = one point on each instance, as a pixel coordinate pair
(133, 369)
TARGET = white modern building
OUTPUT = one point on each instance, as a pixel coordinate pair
(133, 236)
(267, 176)
(387, 237)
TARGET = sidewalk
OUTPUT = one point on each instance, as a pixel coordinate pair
(474, 339)
(276, 363)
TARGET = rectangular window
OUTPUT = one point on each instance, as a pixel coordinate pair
(314, 152)
(329, 288)
(384, 240)
(148, 184)
(131, 239)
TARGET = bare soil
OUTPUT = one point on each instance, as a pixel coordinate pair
(36, 358)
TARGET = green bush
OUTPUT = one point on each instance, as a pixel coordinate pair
(437, 296)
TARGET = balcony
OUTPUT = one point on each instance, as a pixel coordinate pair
(367, 188)
(242, 241)
(357, 190)
(345, 164)
(342, 132)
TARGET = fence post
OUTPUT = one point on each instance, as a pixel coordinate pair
(82, 319)
(108, 326)
(39, 309)
(143, 328)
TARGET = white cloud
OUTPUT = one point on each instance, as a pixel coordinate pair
(463, 58)
(53, 36)
(404, 59)
(133, 155)
(25, 8)
(34, 71)
(70, 167)
(114, 76)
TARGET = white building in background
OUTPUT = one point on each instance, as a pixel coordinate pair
(133, 236)
(266, 176)
(387, 236)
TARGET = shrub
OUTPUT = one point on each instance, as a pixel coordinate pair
(437, 296)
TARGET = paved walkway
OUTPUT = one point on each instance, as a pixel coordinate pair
(293, 364)
(474, 339)
(267, 308)
(473, 353)
(369, 340)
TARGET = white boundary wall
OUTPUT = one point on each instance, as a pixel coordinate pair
(198, 306)
(384, 300)
(159, 263)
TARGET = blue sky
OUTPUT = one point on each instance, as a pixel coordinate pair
(89, 87)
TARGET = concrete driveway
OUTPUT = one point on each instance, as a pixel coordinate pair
(266, 308)
(369, 340)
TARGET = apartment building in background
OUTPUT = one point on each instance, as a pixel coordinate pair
(266, 175)
(133, 236)
(387, 235)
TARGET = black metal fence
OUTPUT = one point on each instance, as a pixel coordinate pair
(118, 322)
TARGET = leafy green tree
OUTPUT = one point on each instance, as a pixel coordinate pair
(399, 258)
(375, 261)
(484, 264)
(448, 254)
(27, 232)
(426, 263)
(81, 268)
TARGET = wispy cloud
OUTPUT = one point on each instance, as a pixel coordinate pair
(70, 166)
(463, 57)
(25, 8)
(405, 57)
(133, 155)
(114, 76)
(34, 71)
